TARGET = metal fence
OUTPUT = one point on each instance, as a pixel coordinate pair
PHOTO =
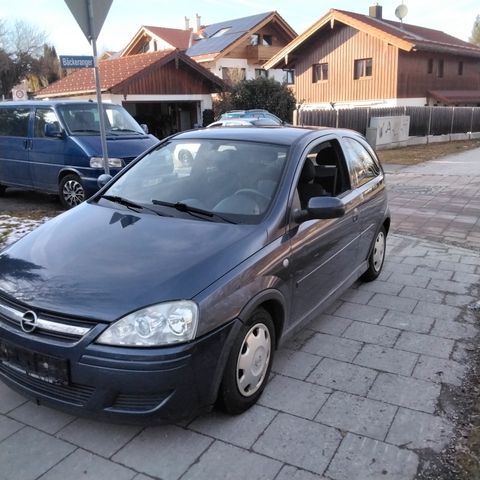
(423, 120)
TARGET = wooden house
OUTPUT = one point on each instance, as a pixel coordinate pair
(351, 59)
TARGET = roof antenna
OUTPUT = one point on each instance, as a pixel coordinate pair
(401, 12)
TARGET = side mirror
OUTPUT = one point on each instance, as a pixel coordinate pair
(320, 208)
(103, 179)
(53, 130)
(144, 127)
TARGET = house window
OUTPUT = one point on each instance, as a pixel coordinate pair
(289, 77)
(440, 69)
(144, 48)
(255, 39)
(220, 32)
(267, 40)
(155, 47)
(430, 65)
(362, 68)
(460, 68)
(260, 72)
(320, 72)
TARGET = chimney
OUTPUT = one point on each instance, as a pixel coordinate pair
(375, 11)
(198, 21)
(187, 23)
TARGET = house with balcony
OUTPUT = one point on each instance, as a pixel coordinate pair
(350, 59)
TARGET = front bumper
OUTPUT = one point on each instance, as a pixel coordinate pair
(127, 384)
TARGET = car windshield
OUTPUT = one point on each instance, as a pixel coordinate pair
(214, 180)
(83, 119)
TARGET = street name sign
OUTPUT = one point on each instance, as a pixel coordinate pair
(78, 61)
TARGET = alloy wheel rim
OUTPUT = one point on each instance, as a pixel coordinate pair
(253, 360)
(73, 193)
(378, 251)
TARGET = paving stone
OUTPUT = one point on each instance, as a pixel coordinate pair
(299, 340)
(357, 415)
(301, 443)
(430, 272)
(464, 277)
(407, 321)
(398, 268)
(368, 333)
(29, 453)
(387, 288)
(463, 351)
(295, 397)
(470, 260)
(8, 427)
(241, 430)
(405, 392)
(294, 364)
(332, 347)
(222, 461)
(10, 399)
(363, 458)
(330, 310)
(98, 437)
(82, 465)
(454, 330)
(427, 344)
(418, 293)
(410, 280)
(141, 476)
(166, 451)
(391, 302)
(418, 430)
(456, 267)
(438, 311)
(387, 359)
(343, 376)
(443, 371)
(364, 313)
(456, 300)
(43, 418)
(330, 324)
(421, 262)
(357, 296)
(291, 473)
(449, 286)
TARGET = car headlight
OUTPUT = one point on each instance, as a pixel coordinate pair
(97, 162)
(161, 324)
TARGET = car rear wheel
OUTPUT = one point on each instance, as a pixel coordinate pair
(249, 364)
(71, 191)
(377, 257)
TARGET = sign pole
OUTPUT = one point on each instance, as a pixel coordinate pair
(103, 137)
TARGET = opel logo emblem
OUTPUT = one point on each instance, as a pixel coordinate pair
(28, 323)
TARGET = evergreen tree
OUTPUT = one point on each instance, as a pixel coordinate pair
(475, 37)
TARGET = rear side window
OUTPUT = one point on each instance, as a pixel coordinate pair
(42, 117)
(14, 122)
(362, 165)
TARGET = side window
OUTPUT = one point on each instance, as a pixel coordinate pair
(324, 173)
(43, 116)
(14, 122)
(362, 165)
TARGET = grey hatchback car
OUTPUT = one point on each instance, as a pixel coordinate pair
(169, 290)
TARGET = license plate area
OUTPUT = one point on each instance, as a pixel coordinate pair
(47, 368)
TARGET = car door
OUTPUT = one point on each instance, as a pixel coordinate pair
(47, 154)
(323, 252)
(369, 181)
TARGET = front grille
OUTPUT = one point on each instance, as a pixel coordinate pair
(59, 327)
(138, 402)
(74, 393)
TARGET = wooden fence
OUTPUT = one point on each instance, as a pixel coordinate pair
(423, 120)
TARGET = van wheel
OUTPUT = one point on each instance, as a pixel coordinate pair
(71, 191)
(377, 257)
(248, 365)
(2, 190)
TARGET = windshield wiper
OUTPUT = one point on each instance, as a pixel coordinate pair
(183, 207)
(129, 204)
(113, 131)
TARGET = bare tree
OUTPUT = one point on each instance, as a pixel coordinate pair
(26, 39)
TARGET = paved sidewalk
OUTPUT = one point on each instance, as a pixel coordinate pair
(356, 395)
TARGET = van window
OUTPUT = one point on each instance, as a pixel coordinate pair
(14, 122)
(42, 117)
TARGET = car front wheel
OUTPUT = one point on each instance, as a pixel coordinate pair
(249, 364)
(377, 257)
(71, 191)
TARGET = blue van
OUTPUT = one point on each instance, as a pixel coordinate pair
(55, 147)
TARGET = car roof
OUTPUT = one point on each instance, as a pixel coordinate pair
(46, 103)
(265, 134)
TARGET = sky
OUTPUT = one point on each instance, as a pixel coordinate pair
(127, 16)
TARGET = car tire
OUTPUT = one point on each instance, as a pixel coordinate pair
(248, 365)
(185, 157)
(3, 188)
(71, 191)
(377, 256)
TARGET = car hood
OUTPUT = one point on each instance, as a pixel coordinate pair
(118, 147)
(102, 263)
